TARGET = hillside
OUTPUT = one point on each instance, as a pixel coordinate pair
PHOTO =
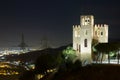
(32, 56)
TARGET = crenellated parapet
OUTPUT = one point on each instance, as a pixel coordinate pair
(101, 32)
(100, 25)
(76, 27)
(76, 30)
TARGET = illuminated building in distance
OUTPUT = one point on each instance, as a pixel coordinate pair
(84, 34)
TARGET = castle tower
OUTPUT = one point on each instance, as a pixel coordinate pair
(87, 22)
(83, 36)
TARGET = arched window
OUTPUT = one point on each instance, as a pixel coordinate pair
(85, 42)
(101, 33)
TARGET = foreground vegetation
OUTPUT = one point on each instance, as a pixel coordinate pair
(91, 72)
(67, 70)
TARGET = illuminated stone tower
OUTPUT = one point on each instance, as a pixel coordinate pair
(83, 36)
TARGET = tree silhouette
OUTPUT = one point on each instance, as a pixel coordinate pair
(69, 54)
(94, 52)
(117, 46)
(47, 61)
(106, 48)
(28, 75)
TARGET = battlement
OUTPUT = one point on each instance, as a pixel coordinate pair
(100, 25)
(76, 27)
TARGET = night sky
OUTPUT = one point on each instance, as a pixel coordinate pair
(52, 19)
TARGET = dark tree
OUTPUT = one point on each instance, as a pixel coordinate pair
(105, 48)
(47, 61)
(28, 75)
